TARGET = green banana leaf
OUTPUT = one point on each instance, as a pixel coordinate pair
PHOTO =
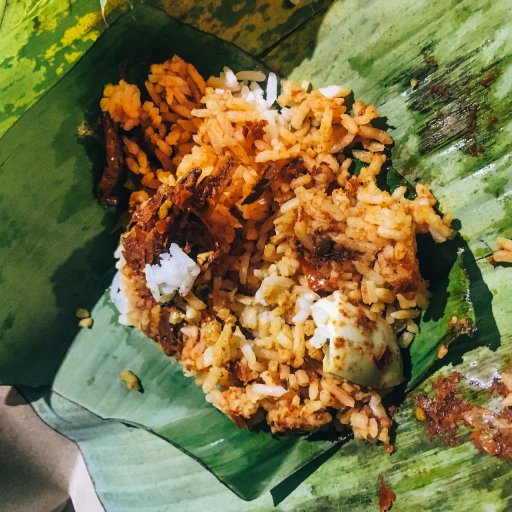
(173, 407)
(450, 298)
(39, 42)
(451, 130)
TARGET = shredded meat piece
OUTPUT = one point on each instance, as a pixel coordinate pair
(145, 242)
(240, 370)
(133, 250)
(184, 189)
(169, 335)
(262, 184)
(499, 444)
(324, 262)
(493, 432)
(211, 187)
(498, 386)
(291, 169)
(114, 171)
(192, 233)
(150, 236)
(155, 244)
(386, 495)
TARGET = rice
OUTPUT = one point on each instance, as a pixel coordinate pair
(120, 300)
(265, 390)
(257, 258)
(504, 252)
(251, 76)
(175, 272)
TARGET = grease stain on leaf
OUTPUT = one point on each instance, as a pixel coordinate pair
(495, 185)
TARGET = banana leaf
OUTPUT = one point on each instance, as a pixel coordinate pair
(452, 131)
(450, 298)
(39, 43)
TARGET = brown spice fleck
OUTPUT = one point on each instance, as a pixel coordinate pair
(489, 79)
(492, 122)
(210, 188)
(440, 91)
(257, 128)
(366, 325)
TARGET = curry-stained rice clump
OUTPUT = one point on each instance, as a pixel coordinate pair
(256, 194)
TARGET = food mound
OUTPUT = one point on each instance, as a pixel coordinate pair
(262, 253)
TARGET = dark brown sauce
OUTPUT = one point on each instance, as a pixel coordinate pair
(316, 281)
(386, 495)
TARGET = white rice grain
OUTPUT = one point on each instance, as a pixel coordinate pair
(264, 389)
(251, 76)
(271, 89)
(332, 91)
